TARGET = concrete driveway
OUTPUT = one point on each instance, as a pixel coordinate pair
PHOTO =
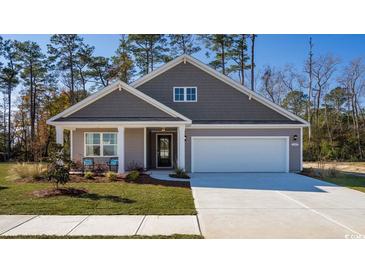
(276, 205)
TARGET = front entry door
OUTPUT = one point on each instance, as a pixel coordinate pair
(164, 151)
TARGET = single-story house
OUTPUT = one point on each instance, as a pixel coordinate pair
(184, 114)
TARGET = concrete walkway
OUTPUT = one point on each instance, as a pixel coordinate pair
(88, 225)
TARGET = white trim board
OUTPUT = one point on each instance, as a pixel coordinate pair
(113, 87)
(254, 126)
(187, 58)
(67, 125)
(286, 138)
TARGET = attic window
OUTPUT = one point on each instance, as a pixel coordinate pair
(185, 94)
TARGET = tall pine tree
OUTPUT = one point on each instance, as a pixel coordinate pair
(183, 44)
(149, 50)
(219, 45)
(123, 66)
(238, 54)
(8, 82)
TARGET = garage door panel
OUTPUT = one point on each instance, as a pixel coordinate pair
(239, 154)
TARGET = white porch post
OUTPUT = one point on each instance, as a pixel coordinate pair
(121, 150)
(59, 135)
(181, 147)
(145, 148)
(71, 143)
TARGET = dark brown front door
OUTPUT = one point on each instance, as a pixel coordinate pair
(164, 151)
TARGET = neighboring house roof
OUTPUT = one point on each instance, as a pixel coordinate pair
(108, 105)
(223, 78)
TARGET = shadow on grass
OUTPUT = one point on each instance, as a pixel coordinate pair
(3, 187)
(111, 198)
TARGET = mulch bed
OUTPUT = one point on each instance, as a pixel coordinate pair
(59, 192)
(172, 175)
(143, 179)
(146, 179)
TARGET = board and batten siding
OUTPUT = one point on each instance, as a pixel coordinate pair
(134, 145)
(294, 146)
(216, 100)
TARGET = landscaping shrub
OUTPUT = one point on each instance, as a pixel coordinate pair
(76, 166)
(36, 171)
(59, 174)
(88, 175)
(135, 166)
(59, 167)
(111, 176)
(133, 175)
(179, 173)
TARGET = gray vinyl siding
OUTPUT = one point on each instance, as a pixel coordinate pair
(134, 145)
(119, 104)
(216, 99)
(294, 151)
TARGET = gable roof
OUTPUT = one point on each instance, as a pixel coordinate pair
(187, 58)
(132, 88)
(62, 117)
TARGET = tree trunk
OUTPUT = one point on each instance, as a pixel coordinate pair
(9, 122)
(310, 89)
(243, 60)
(253, 62)
(356, 122)
(5, 125)
(223, 57)
(184, 44)
(72, 88)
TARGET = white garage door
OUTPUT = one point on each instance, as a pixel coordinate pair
(239, 154)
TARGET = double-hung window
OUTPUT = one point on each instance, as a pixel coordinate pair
(185, 94)
(100, 144)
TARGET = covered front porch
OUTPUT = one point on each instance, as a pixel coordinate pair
(152, 146)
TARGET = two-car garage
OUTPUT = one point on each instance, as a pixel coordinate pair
(240, 153)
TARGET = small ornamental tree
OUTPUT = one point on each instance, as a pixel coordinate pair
(59, 166)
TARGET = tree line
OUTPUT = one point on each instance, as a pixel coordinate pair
(37, 85)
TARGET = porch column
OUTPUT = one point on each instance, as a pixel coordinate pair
(145, 148)
(71, 143)
(181, 147)
(121, 150)
(59, 135)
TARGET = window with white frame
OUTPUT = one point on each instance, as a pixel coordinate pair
(185, 94)
(100, 144)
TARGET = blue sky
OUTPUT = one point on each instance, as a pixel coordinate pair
(274, 50)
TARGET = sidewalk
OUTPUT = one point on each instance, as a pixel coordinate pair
(92, 225)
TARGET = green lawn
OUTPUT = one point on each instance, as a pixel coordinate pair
(351, 181)
(101, 199)
(342, 179)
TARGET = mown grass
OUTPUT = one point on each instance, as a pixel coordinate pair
(102, 199)
(347, 180)
(340, 178)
